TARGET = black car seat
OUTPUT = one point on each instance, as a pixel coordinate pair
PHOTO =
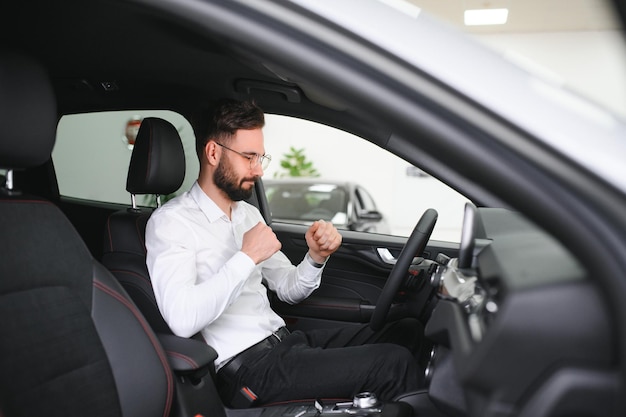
(73, 343)
(157, 166)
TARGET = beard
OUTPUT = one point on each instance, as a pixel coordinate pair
(226, 180)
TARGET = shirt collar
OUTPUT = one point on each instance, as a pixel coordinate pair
(210, 209)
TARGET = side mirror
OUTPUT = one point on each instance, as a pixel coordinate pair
(373, 216)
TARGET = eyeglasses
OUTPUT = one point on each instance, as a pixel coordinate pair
(254, 158)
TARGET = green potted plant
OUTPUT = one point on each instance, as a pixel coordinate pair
(296, 164)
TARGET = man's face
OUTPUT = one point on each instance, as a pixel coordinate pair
(233, 174)
(227, 180)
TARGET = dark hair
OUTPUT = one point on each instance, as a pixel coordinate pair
(225, 118)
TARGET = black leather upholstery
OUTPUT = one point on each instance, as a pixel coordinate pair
(157, 166)
(124, 254)
(25, 92)
(72, 343)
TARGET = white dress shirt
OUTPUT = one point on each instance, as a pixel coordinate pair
(204, 283)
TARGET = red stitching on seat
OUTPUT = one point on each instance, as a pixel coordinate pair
(170, 385)
(109, 235)
(186, 358)
(124, 271)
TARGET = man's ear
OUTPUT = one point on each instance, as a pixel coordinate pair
(212, 153)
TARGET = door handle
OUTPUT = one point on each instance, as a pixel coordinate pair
(386, 256)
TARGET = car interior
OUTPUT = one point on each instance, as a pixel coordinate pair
(74, 321)
(516, 325)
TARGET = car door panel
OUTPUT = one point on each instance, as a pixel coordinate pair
(352, 280)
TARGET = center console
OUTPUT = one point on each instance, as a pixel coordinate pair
(363, 404)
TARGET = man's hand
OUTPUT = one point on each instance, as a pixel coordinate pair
(323, 239)
(260, 242)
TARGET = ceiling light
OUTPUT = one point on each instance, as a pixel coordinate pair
(478, 17)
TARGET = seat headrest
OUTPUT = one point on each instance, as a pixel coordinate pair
(28, 114)
(157, 164)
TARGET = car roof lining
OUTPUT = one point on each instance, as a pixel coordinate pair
(138, 70)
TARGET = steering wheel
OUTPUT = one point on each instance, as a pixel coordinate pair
(415, 245)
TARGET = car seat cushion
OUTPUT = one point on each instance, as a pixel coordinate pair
(47, 311)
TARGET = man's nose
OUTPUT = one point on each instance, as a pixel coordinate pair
(258, 170)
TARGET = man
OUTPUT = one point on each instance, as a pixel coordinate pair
(209, 253)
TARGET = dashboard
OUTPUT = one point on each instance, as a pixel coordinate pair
(519, 329)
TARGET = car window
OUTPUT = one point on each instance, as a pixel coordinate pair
(104, 142)
(390, 184)
(382, 182)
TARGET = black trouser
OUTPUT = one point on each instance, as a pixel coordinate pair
(333, 363)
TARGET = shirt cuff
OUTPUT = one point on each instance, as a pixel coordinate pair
(245, 262)
(313, 263)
